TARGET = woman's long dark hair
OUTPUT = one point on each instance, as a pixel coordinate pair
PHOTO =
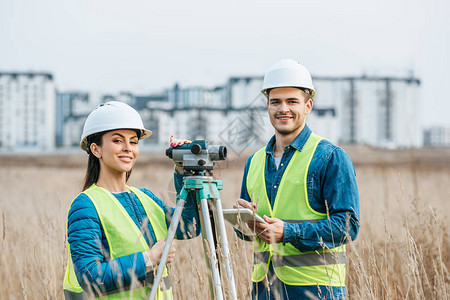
(93, 167)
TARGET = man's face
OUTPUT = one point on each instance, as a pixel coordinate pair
(287, 108)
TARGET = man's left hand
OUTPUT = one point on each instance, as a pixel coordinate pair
(270, 233)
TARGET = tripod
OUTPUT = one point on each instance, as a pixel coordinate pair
(207, 196)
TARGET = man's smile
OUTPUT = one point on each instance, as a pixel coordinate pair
(284, 117)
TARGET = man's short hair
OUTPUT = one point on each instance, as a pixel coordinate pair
(300, 88)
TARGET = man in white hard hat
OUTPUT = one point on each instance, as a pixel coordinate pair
(305, 189)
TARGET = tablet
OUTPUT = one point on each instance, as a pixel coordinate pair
(239, 217)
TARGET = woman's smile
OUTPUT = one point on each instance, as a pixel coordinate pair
(126, 158)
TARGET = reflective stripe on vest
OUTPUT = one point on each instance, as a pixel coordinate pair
(166, 284)
(124, 238)
(324, 266)
(302, 260)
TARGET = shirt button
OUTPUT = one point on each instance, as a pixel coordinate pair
(281, 164)
(274, 186)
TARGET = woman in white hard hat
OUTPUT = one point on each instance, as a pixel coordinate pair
(116, 233)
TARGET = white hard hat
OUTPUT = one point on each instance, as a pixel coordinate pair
(109, 116)
(288, 73)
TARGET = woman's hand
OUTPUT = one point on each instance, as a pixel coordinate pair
(156, 252)
(178, 142)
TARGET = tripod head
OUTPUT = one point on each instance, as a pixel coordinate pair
(197, 156)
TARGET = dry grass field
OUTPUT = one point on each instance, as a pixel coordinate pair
(402, 251)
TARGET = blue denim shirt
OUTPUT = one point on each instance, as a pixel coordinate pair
(331, 184)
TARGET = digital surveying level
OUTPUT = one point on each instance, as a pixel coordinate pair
(197, 156)
(198, 159)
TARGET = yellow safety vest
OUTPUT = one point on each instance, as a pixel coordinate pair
(293, 267)
(124, 238)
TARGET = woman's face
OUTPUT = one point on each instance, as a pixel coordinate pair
(119, 150)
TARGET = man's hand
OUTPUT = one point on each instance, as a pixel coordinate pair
(270, 233)
(241, 203)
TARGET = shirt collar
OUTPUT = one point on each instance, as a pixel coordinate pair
(298, 143)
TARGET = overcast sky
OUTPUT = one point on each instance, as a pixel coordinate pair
(145, 46)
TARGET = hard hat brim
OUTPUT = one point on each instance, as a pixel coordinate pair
(265, 93)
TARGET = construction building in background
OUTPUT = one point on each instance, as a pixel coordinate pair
(436, 136)
(27, 112)
(373, 111)
(72, 109)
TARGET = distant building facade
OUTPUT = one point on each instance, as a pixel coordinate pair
(437, 137)
(27, 111)
(72, 109)
(375, 111)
